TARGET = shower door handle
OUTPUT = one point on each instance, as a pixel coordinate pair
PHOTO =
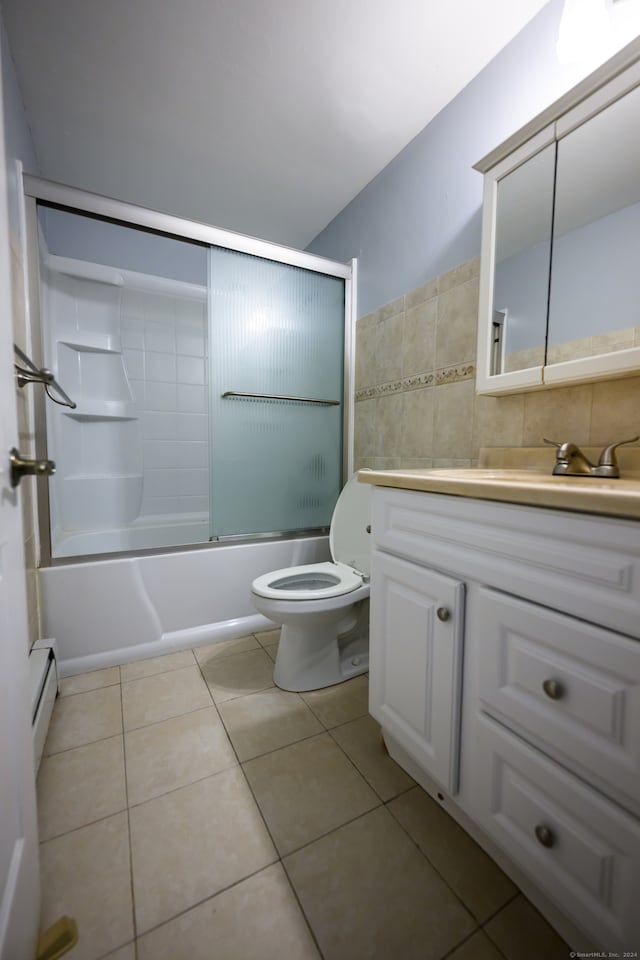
(22, 467)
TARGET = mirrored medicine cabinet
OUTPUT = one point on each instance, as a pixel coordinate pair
(560, 262)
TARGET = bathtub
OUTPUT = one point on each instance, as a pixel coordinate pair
(106, 612)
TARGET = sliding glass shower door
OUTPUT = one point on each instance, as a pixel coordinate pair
(276, 345)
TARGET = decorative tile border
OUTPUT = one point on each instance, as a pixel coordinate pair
(417, 381)
(454, 374)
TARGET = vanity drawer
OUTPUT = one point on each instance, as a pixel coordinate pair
(581, 849)
(588, 566)
(570, 687)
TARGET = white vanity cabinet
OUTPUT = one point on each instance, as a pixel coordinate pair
(522, 707)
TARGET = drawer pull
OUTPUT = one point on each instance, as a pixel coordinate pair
(553, 689)
(443, 614)
(545, 835)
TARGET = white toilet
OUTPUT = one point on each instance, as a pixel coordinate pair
(324, 607)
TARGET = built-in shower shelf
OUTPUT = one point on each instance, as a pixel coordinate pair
(90, 342)
(103, 410)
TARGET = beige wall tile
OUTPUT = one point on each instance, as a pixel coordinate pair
(559, 414)
(462, 274)
(86, 875)
(258, 917)
(417, 434)
(419, 338)
(456, 331)
(366, 363)
(388, 351)
(453, 420)
(615, 413)
(365, 430)
(390, 415)
(369, 892)
(391, 309)
(191, 843)
(498, 421)
(427, 291)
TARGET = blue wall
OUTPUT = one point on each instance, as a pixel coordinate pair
(17, 136)
(421, 215)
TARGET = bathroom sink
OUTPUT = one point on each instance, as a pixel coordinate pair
(533, 486)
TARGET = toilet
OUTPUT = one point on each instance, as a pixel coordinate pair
(324, 607)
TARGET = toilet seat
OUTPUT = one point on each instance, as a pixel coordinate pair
(312, 581)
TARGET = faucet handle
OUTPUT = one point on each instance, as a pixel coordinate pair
(553, 443)
(608, 455)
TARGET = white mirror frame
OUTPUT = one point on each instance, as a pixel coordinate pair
(611, 81)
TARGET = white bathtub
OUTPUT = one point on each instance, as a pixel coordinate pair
(105, 612)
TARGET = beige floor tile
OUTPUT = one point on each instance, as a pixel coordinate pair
(83, 718)
(368, 892)
(190, 844)
(521, 933)
(271, 649)
(124, 953)
(266, 638)
(167, 755)
(474, 876)
(81, 785)
(93, 680)
(213, 651)
(267, 720)
(162, 696)
(238, 675)
(153, 665)
(86, 875)
(362, 741)
(307, 789)
(258, 919)
(341, 703)
(477, 947)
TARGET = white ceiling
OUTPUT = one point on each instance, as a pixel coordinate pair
(261, 116)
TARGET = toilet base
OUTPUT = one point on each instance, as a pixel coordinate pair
(310, 658)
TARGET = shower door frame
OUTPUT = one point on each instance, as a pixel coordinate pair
(37, 189)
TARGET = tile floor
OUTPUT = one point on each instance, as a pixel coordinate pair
(190, 810)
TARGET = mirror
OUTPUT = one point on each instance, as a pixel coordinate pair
(594, 304)
(524, 216)
(559, 270)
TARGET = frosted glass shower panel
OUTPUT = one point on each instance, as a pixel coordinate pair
(276, 331)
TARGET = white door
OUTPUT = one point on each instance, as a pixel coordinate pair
(19, 877)
(415, 662)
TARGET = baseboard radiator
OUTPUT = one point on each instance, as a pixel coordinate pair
(44, 689)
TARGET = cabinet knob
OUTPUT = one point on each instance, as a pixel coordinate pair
(553, 689)
(443, 614)
(545, 835)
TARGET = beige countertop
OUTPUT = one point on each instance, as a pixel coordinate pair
(525, 482)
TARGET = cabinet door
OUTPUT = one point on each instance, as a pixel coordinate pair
(415, 662)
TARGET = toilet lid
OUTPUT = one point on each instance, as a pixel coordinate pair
(348, 539)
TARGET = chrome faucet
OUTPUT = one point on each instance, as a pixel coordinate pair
(571, 461)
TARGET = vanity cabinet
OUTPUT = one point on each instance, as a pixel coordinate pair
(523, 708)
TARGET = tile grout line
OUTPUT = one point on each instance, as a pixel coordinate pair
(126, 790)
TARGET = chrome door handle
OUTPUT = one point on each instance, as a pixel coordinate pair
(21, 467)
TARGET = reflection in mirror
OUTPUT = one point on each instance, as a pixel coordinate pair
(521, 279)
(594, 305)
